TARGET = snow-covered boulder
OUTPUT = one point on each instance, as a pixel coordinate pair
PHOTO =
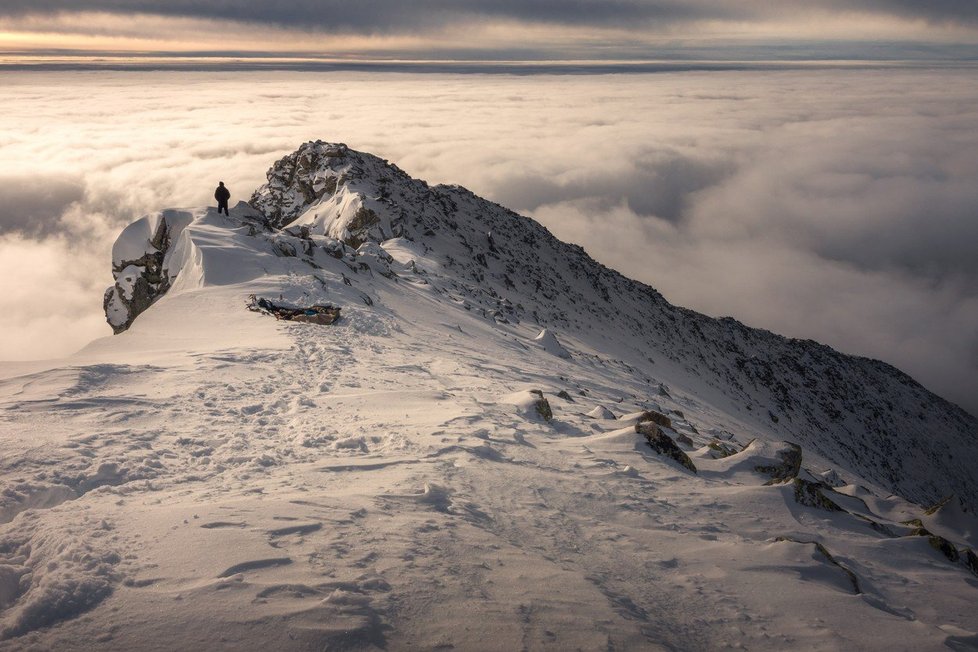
(139, 259)
(531, 404)
(663, 444)
(814, 494)
(952, 518)
(601, 412)
(375, 258)
(549, 343)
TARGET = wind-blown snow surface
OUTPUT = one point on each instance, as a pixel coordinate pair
(434, 471)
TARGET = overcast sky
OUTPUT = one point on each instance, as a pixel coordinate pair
(836, 205)
(602, 29)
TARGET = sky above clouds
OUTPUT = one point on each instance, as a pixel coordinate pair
(829, 204)
(504, 29)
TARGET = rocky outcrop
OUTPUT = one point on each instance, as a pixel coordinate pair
(814, 494)
(720, 449)
(338, 192)
(303, 177)
(971, 561)
(138, 266)
(789, 467)
(663, 444)
(530, 404)
(542, 405)
(655, 417)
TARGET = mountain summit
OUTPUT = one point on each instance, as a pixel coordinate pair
(365, 413)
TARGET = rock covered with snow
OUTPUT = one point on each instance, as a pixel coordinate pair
(531, 404)
(335, 191)
(548, 341)
(601, 412)
(139, 265)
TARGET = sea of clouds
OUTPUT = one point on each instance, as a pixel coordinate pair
(837, 205)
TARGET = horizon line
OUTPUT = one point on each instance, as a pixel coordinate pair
(70, 60)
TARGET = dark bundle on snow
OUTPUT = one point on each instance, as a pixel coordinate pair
(323, 315)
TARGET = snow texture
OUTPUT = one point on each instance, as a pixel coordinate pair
(433, 472)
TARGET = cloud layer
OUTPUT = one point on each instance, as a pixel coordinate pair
(832, 205)
(394, 15)
(501, 29)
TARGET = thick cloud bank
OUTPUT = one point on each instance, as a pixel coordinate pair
(833, 205)
(393, 15)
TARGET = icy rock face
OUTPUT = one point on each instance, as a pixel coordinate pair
(138, 266)
(336, 192)
(300, 179)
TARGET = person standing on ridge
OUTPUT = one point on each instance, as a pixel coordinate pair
(222, 195)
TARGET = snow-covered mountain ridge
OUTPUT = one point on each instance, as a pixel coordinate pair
(860, 413)
(500, 445)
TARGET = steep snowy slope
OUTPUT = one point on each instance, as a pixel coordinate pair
(501, 444)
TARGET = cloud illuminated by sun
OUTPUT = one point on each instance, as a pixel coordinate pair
(132, 33)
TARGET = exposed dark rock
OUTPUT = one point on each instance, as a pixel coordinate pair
(720, 449)
(971, 560)
(564, 395)
(293, 182)
(139, 282)
(789, 467)
(684, 439)
(933, 509)
(663, 444)
(943, 546)
(813, 494)
(655, 417)
(542, 405)
(359, 227)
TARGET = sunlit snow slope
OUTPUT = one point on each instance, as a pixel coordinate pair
(500, 445)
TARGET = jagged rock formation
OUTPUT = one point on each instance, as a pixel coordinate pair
(663, 444)
(139, 266)
(328, 200)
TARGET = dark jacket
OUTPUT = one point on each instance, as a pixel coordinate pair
(222, 194)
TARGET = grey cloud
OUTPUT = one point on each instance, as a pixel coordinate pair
(658, 184)
(880, 193)
(939, 11)
(929, 236)
(389, 15)
(371, 16)
(32, 205)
